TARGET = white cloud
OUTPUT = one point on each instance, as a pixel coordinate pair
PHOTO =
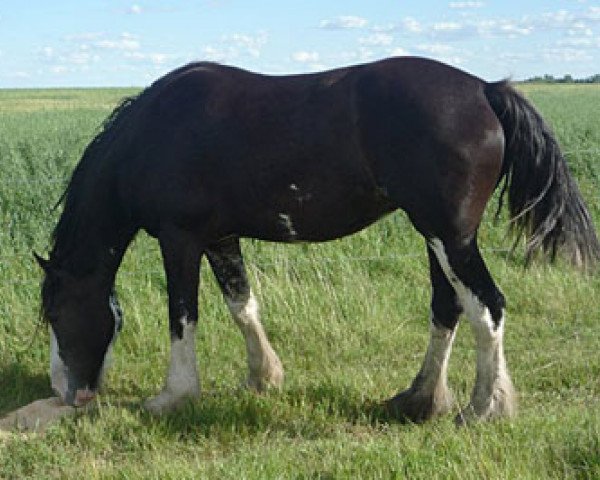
(125, 41)
(566, 55)
(435, 48)
(447, 27)
(452, 31)
(47, 52)
(579, 41)
(512, 30)
(365, 54)
(504, 28)
(344, 22)
(580, 29)
(80, 58)
(412, 25)
(377, 39)
(390, 27)
(398, 52)
(593, 13)
(305, 57)
(461, 5)
(251, 44)
(217, 54)
(19, 74)
(571, 19)
(558, 18)
(516, 56)
(84, 37)
(154, 58)
(59, 69)
(235, 46)
(135, 9)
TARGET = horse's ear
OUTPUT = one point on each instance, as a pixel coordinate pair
(42, 262)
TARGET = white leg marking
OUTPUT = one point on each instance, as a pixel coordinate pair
(493, 393)
(182, 377)
(433, 376)
(264, 366)
(428, 394)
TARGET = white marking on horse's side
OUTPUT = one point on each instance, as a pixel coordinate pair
(286, 221)
(58, 369)
(264, 366)
(493, 393)
(301, 197)
(182, 377)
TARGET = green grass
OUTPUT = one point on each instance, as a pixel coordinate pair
(349, 320)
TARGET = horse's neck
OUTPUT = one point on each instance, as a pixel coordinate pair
(98, 250)
(94, 230)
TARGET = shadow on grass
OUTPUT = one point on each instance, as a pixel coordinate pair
(314, 411)
(341, 401)
(581, 455)
(20, 387)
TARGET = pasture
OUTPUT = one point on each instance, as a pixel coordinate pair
(349, 320)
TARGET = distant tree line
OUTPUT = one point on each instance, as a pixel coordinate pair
(566, 79)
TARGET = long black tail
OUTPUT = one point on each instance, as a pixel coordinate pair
(544, 200)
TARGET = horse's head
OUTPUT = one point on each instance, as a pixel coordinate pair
(84, 318)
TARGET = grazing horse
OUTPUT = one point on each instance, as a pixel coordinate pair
(209, 154)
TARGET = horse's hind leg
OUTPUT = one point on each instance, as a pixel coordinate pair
(428, 394)
(264, 366)
(493, 394)
(181, 256)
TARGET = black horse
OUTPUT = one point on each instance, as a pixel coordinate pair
(209, 154)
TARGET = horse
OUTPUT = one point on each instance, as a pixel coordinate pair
(209, 154)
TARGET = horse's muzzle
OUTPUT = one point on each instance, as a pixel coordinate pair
(83, 396)
(80, 397)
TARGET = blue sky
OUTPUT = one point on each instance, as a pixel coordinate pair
(131, 42)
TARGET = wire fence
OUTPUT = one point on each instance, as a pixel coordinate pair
(261, 264)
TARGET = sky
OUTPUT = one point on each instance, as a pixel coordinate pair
(84, 43)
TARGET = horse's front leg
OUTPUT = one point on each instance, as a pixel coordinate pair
(181, 255)
(264, 367)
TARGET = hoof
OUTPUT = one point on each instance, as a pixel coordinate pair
(417, 407)
(501, 404)
(268, 378)
(167, 401)
(467, 416)
(493, 411)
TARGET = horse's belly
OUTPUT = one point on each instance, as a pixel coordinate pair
(305, 217)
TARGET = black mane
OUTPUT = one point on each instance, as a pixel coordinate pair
(72, 227)
(96, 162)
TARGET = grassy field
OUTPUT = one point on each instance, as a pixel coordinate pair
(348, 318)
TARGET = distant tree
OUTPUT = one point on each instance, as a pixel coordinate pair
(549, 78)
(568, 78)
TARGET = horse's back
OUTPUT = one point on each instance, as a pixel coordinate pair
(333, 150)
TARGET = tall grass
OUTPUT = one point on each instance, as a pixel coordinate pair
(348, 318)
